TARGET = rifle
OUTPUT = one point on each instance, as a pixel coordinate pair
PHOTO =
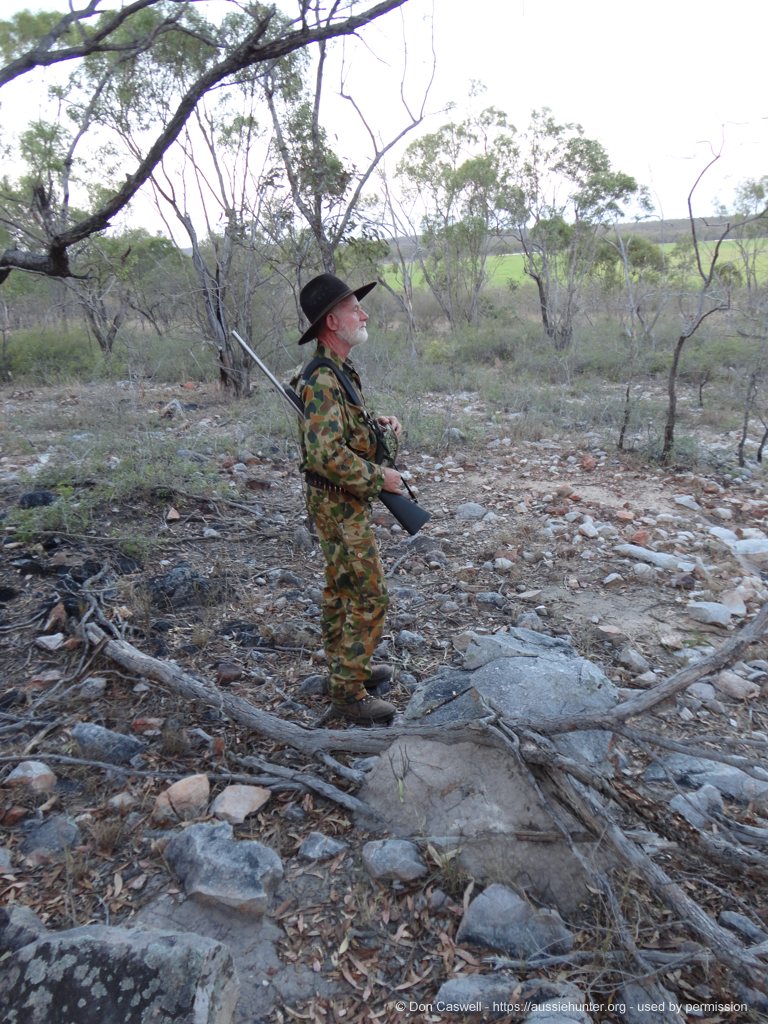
(406, 511)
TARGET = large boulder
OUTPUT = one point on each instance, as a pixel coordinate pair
(476, 803)
(95, 974)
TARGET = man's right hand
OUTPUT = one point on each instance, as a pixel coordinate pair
(393, 482)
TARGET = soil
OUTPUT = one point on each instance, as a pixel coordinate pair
(252, 627)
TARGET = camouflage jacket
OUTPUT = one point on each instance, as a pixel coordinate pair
(337, 441)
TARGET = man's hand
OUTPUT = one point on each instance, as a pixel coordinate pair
(393, 482)
(392, 422)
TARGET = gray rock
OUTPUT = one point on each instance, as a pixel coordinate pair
(6, 864)
(46, 839)
(96, 974)
(491, 597)
(314, 685)
(637, 994)
(701, 691)
(500, 919)
(470, 510)
(698, 771)
(319, 847)
(633, 660)
(218, 869)
(393, 860)
(182, 587)
(530, 677)
(481, 991)
(410, 641)
(19, 925)
(711, 613)
(697, 808)
(102, 744)
(658, 558)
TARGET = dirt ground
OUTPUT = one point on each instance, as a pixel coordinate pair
(251, 626)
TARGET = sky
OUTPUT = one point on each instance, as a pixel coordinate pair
(662, 85)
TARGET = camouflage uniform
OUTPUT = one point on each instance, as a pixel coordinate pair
(338, 446)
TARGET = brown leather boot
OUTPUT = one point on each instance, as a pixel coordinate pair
(366, 710)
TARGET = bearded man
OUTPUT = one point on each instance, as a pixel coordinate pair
(339, 446)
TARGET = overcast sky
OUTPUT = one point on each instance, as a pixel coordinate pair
(661, 84)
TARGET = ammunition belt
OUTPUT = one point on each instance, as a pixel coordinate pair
(323, 484)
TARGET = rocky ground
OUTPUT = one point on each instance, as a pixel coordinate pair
(644, 569)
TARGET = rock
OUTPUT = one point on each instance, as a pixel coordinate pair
(97, 974)
(701, 691)
(638, 994)
(687, 501)
(633, 660)
(184, 800)
(46, 840)
(235, 803)
(697, 808)
(19, 925)
(182, 587)
(711, 613)
(410, 641)
(499, 919)
(318, 847)
(100, 744)
(732, 782)
(657, 558)
(471, 510)
(393, 860)
(51, 642)
(736, 686)
(488, 994)
(34, 776)
(217, 869)
(93, 688)
(613, 579)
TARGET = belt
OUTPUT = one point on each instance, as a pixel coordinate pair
(323, 484)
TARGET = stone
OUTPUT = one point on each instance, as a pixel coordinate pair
(100, 744)
(184, 800)
(701, 691)
(19, 925)
(214, 868)
(697, 808)
(658, 558)
(499, 919)
(470, 510)
(34, 776)
(235, 803)
(731, 781)
(51, 642)
(633, 660)
(687, 501)
(45, 841)
(96, 974)
(637, 994)
(736, 686)
(711, 613)
(393, 860)
(318, 847)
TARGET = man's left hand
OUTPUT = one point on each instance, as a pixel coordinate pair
(392, 422)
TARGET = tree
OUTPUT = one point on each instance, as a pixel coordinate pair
(561, 197)
(114, 40)
(325, 187)
(456, 175)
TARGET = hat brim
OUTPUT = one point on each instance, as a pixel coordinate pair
(314, 327)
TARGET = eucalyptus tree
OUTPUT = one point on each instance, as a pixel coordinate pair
(560, 198)
(116, 40)
(455, 176)
(327, 186)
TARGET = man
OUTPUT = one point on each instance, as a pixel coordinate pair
(338, 451)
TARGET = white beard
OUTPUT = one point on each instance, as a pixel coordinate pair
(355, 337)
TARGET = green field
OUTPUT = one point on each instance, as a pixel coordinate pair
(508, 268)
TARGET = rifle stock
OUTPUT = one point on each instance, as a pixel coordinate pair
(407, 512)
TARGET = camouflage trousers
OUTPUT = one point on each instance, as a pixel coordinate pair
(355, 596)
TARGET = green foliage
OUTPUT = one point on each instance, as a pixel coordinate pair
(24, 31)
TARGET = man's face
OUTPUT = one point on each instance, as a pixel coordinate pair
(351, 321)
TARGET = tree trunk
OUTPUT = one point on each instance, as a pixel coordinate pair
(669, 426)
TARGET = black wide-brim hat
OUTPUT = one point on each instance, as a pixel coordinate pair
(320, 295)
